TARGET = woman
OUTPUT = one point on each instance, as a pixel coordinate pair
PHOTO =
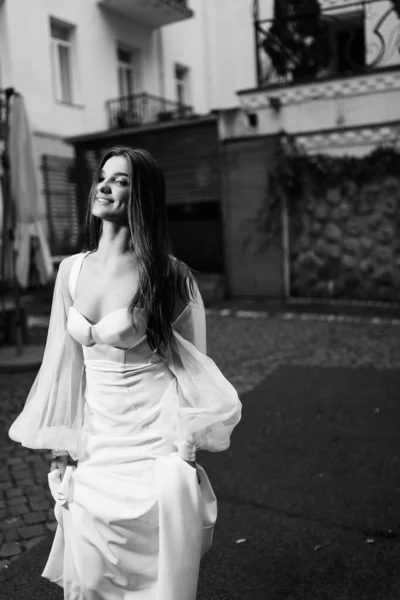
(126, 389)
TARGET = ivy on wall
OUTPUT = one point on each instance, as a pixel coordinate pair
(344, 221)
(297, 175)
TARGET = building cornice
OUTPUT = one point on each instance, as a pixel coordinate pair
(381, 80)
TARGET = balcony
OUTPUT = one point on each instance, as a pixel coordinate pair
(152, 13)
(326, 40)
(144, 109)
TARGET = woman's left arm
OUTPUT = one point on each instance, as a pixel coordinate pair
(209, 407)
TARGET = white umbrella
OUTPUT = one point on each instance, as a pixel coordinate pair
(24, 196)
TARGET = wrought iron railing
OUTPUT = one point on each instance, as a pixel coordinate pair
(334, 38)
(144, 109)
(181, 2)
(2, 114)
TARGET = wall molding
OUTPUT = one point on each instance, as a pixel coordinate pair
(359, 136)
(325, 90)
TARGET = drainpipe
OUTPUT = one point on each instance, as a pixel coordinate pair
(160, 58)
(208, 40)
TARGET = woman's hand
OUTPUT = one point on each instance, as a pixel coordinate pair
(193, 464)
(59, 463)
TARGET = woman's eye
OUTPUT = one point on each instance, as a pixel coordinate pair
(122, 182)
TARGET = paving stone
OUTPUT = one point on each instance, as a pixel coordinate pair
(52, 526)
(11, 536)
(50, 514)
(35, 517)
(33, 489)
(28, 544)
(34, 458)
(31, 531)
(11, 523)
(2, 504)
(15, 558)
(5, 485)
(4, 564)
(17, 501)
(40, 496)
(15, 460)
(21, 474)
(22, 465)
(42, 505)
(19, 509)
(22, 452)
(10, 549)
(41, 478)
(14, 493)
(3, 514)
(25, 481)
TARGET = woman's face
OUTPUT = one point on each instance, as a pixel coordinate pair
(112, 193)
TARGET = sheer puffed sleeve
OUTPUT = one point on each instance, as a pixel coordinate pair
(208, 405)
(52, 417)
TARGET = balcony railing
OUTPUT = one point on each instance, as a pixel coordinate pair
(336, 39)
(2, 114)
(152, 14)
(144, 109)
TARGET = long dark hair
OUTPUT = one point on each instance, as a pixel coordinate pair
(161, 275)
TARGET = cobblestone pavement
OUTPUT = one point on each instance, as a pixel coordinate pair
(246, 349)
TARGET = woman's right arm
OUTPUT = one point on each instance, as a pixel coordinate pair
(53, 413)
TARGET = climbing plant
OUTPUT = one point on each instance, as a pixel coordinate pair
(297, 175)
(396, 6)
(293, 42)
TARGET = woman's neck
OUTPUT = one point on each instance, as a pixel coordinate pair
(114, 243)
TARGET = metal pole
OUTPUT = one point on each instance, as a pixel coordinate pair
(285, 223)
(256, 17)
(10, 227)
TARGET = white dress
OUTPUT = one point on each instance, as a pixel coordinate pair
(136, 522)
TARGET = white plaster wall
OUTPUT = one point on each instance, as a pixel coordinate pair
(5, 58)
(233, 63)
(95, 72)
(186, 43)
(314, 114)
(219, 45)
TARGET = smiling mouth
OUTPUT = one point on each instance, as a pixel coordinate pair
(104, 200)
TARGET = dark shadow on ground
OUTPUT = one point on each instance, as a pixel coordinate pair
(311, 483)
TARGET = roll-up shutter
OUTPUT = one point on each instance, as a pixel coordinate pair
(62, 206)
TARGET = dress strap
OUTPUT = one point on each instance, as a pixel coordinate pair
(74, 273)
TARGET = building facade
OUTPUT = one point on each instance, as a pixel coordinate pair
(97, 65)
(344, 97)
(328, 75)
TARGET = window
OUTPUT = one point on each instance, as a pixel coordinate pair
(125, 72)
(61, 50)
(347, 52)
(182, 84)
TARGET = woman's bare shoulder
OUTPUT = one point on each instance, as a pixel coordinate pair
(65, 267)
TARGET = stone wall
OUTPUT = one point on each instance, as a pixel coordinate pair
(346, 244)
